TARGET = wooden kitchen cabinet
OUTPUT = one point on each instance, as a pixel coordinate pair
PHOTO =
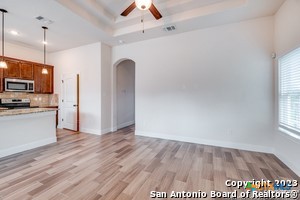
(1, 81)
(37, 72)
(18, 69)
(13, 69)
(26, 70)
(43, 83)
(21, 69)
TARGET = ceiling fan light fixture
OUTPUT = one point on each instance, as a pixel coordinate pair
(143, 4)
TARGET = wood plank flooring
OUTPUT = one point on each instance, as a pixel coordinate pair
(123, 166)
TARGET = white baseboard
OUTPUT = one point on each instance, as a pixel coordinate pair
(247, 147)
(293, 167)
(90, 131)
(119, 126)
(105, 131)
(24, 147)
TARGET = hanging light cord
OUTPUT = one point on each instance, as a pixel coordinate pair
(3, 63)
(44, 42)
(142, 21)
(44, 46)
(44, 70)
(2, 35)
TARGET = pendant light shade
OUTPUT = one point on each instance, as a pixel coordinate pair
(143, 4)
(44, 70)
(2, 62)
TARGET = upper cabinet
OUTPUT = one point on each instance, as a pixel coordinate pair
(13, 69)
(43, 83)
(18, 69)
(26, 70)
(1, 80)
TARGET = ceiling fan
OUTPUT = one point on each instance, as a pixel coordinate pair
(143, 5)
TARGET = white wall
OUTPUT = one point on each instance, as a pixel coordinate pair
(85, 60)
(125, 93)
(212, 86)
(287, 32)
(106, 89)
(23, 53)
(287, 28)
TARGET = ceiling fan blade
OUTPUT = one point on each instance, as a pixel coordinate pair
(155, 12)
(129, 9)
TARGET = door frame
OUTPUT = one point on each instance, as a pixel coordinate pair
(62, 97)
(114, 108)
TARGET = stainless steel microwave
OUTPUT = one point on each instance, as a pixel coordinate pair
(18, 85)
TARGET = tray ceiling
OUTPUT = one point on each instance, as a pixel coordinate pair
(79, 22)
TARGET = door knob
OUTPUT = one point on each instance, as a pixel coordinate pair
(75, 105)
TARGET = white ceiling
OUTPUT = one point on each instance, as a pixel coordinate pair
(80, 22)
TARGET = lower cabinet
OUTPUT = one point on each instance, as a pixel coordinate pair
(43, 83)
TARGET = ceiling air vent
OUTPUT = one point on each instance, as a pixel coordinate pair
(169, 28)
(44, 20)
(39, 17)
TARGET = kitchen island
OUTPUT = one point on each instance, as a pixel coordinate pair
(24, 129)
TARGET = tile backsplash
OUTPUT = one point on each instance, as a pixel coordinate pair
(36, 99)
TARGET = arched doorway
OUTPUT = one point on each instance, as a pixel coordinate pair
(124, 94)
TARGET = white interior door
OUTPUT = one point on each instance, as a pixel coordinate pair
(70, 102)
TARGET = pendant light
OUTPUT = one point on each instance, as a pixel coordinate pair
(44, 70)
(2, 62)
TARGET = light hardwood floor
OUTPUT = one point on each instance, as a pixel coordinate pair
(123, 166)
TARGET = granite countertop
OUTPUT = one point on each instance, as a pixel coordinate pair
(4, 113)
